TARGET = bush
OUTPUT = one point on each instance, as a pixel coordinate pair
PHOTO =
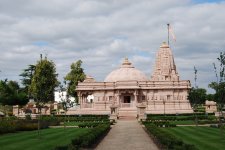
(160, 123)
(168, 140)
(88, 139)
(182, 117)
(8, 126)
(77, 118)
(61, 148)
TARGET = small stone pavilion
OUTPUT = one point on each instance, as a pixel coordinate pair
(127, 91)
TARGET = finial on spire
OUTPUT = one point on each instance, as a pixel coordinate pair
(126, 63)
(164, 45)
(168, 28)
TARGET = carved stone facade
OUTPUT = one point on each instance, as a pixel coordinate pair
(127, 88)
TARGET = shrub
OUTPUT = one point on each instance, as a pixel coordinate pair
(7, 126)
(168, 140)
(88, 139)
(159, 123)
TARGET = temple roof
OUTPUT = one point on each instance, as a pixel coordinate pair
(165, 68)
(126, 72)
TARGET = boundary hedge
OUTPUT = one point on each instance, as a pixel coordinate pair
(87, 140)
(167, 140)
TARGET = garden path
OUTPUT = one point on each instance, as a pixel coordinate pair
(127, 135)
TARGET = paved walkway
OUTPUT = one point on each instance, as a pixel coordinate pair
(127, 135)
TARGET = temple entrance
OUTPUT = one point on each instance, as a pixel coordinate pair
(127, 99)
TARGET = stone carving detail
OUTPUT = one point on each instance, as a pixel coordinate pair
(165, 68)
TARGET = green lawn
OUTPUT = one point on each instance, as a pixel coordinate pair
(49, 139)
(204, 138)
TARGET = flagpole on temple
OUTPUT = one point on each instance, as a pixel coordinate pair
(168, 26)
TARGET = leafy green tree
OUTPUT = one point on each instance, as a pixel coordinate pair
(75, 75)
(219, 86)
(27, 76)
(197, 96)
(210, 97)
(11, 94)
(44, 81)
(43, 84)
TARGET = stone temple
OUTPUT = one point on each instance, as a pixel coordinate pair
(127, 91)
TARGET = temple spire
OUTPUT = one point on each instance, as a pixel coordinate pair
(165, 68)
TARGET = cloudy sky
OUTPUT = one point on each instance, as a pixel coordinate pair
(102, 32)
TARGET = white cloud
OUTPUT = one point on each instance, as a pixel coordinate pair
(102, 33)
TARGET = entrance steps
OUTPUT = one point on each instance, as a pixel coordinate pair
(127, 113)
(127, 118)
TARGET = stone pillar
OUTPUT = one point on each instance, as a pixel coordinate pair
(82, 101)
(113, 112)
(16, 110)
(135, 98)
(117, 98)
(141, 108)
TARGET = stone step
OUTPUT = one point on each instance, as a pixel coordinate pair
(127, 113)
(127, 118)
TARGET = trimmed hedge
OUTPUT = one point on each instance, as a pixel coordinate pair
(6, 126)
(88, 139)
(184, 114)
(160, 123)
(168, 140)
(9, 126)
(180, 117)
(77, 118)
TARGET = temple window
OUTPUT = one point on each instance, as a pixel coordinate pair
(110, 98)
(168, 97)
(143, 98)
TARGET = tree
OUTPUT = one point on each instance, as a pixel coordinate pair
(197, 96)
(11, 94)
(66, 101)
(44, 81)
(219, 86)
(210, 97)
(75, 75)
(43, 84)
(27, 75)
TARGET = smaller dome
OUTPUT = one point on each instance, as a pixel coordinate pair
(126, 73)
(89, 79)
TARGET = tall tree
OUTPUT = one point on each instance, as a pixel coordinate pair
(219, 86)
(43, 84)
(44, 81)
(27, 76)
(196, 96)
(210, 97)
(75, 75)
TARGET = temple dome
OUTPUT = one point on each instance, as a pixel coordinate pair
(126, 73)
